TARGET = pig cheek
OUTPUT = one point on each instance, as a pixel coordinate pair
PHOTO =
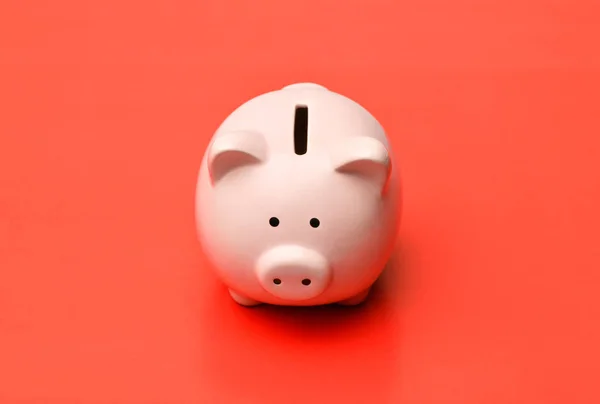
(360, 239)
(238, 232)
(355, 220)
(233, 234)
(233, 259)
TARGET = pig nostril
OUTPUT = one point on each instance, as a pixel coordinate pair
(306, 282)
(277, 281)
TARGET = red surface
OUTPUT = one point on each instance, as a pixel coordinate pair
(106, 108)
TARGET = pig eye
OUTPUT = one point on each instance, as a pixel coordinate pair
(274, 222)
(314, 222)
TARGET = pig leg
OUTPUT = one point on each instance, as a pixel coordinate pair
(243, 300)
(356, 299)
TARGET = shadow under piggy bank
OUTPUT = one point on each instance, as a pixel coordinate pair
(269, 350)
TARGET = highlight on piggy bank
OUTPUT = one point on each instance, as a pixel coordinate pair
(297, 202)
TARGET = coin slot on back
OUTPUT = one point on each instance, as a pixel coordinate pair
(301, 130)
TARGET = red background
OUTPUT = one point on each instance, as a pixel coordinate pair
(107, 106)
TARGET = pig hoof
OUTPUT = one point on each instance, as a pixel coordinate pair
(243, 300)
(356, 299)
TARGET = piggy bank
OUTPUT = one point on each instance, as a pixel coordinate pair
(296, 202)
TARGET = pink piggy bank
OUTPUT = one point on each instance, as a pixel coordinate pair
(296, 202)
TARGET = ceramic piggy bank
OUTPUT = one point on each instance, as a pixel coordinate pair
(296, 202)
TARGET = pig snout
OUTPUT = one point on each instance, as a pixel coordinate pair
(293, 272)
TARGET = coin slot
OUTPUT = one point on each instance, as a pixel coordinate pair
(301, 130)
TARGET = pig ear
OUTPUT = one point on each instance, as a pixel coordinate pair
(235, 149)
(366, 157)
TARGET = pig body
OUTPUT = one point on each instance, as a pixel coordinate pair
(287, 224)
